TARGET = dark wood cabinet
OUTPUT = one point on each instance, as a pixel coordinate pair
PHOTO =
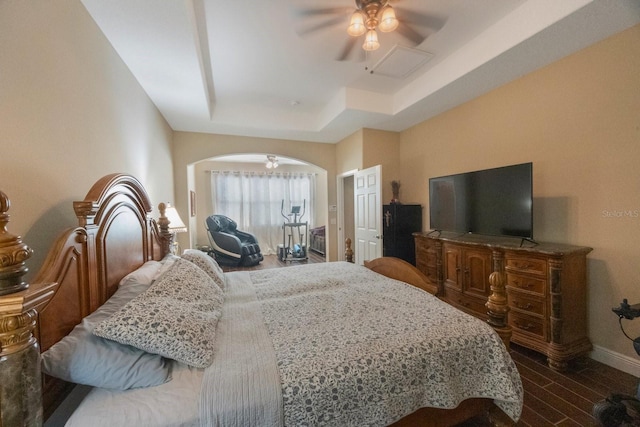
(399, 222)
(545, 284)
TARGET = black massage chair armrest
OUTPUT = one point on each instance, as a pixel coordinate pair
(246, 237)
(228, 241)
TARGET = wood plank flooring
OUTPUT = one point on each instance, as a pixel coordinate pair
(566, 399)
(272, 261)
(550, 398)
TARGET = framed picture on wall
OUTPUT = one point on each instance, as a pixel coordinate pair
(192, 200)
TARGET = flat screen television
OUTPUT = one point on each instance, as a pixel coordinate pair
(496, 202)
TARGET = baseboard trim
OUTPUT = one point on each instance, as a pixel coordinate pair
(619, 361)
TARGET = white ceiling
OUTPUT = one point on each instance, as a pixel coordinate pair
(247, 67)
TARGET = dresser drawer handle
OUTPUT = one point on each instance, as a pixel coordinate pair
(523, 285)
(524, 266)
(521, 306)
(524, 327)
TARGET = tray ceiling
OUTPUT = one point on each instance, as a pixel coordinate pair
(250, 67)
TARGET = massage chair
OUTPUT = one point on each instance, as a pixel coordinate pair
(230, 245)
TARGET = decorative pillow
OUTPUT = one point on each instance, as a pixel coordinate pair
(208, 264)
(176, 317)
(84, 358)
(143, 275)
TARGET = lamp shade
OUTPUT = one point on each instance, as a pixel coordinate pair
(371, 41)
(356, 25)
(388, 21)
(175, 222)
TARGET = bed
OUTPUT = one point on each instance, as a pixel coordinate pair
(319, 344)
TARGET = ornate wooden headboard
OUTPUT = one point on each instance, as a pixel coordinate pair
(115, 235)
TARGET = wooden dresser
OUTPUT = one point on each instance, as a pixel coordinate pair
(546, 287)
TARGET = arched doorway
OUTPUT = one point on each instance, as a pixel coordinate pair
(200, 183)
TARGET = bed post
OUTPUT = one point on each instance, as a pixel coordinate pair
(348, 252)
(20, 377)
(163, 225)
(497, 307)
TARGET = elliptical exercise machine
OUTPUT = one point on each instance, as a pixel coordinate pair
(295, 234)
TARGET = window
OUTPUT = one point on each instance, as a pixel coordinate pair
(257, 201)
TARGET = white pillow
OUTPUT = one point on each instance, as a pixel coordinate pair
(84, 358)
(143, 275)
(176, 317)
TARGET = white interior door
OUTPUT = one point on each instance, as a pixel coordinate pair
(368, 214)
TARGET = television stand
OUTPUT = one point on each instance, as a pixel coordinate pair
(527, 239)
(545, 286)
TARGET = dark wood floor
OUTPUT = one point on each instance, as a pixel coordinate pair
(550, 398)
(567, 399)
(272, 261)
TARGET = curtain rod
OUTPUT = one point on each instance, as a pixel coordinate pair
(262, 173)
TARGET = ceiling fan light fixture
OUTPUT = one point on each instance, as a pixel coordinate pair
(371, 41)
(356, 24)
(388, 20)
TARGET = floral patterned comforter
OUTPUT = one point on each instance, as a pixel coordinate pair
(354, 348)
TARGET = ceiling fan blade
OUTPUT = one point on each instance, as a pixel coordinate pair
(409, 33)
(323, 11)
(347, 49)
(432, 22)
(321, 25)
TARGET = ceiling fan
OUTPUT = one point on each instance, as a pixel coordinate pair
(369, 17)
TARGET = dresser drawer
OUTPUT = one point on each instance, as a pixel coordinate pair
(527, 324)
(421, 265)
(432, 274)
(431, 257)
(526, 303)
(526, 265)
(427, 259)
(526, 283)
(468, 303)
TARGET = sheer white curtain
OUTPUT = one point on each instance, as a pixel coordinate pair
(255, 201)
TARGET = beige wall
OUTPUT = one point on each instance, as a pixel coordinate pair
(364, 149)
(383, 148)
(349, 153)
(191, 148)
(71, 112)
(578, 121)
